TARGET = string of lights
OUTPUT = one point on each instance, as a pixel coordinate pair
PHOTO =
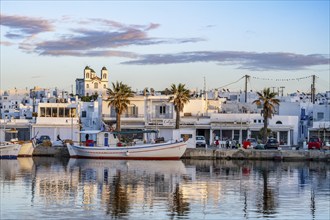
(231, 83)
(288, 79)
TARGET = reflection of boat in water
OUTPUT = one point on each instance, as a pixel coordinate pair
(136, 166)
(8, 170)
(25, 163)
(108, 146)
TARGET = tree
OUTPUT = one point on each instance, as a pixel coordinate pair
(118, 97)
(180, 96)
(268, 101)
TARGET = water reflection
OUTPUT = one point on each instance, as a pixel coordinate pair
(198, 189)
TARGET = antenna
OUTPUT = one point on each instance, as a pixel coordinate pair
(204, 85)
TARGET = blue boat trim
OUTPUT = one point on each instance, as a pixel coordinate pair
(8, 157)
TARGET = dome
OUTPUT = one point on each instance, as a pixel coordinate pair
(104, 68)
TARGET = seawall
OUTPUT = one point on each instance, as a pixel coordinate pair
(220, 154)
(243, 154)
(43, 151)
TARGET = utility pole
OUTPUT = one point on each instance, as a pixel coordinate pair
(282, 88)
(245, 89)
(204, 87)
(313, 90)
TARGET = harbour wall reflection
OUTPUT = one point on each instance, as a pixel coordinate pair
(167, 189)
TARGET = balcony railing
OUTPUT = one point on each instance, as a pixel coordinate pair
(162, 116)
(123, 115)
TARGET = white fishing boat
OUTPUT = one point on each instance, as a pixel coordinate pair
(107, 146)
(27, 147)
(9, 150)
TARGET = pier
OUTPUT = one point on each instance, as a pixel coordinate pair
(252, 154)
(220, 154)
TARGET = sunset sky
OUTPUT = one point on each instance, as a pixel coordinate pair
(157, 43)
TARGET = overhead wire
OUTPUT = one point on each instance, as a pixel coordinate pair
(231, 83)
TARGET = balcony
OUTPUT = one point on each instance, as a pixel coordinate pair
(123, 115)
(161, 116)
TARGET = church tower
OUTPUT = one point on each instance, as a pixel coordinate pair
(92, 84)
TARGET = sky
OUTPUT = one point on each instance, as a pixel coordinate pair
(202, 44)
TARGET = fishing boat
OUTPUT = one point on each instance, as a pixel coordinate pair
(27, 147)
(108, 146)
(9, 150)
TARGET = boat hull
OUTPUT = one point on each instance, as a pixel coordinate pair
(26, 149)
(9, 150)
(164, 151)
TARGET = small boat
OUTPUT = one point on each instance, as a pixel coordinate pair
(9, 150)
(107, 146)
(27, 147)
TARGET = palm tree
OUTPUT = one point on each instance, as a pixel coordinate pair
(268, 101)
(180, 96)
(118, 97)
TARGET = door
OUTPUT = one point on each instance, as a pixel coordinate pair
(106, 139)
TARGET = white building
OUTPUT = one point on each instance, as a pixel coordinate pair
(92, 84)
(155, 112)
(57, 119)
(11, 101)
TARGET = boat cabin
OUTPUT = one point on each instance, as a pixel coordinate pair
(105, 138)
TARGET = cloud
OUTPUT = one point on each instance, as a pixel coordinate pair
(6, 43)
(244, 60)
(89, 37)
(94, 53)
(115, 36)
(25, 26)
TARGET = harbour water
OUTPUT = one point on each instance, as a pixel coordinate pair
(49, 188)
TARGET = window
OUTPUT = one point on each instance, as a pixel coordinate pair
(87, 86)
(162, 109)
(104, 86)
(279, 123)
(61, 112)
(83, 114)
(42, 112)
(87, 75)
(67, 111)
(48, 112)
(96, 85)
(320, 115)
(73, 112)
(54, 111)
(104, 76)
(132, 110)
